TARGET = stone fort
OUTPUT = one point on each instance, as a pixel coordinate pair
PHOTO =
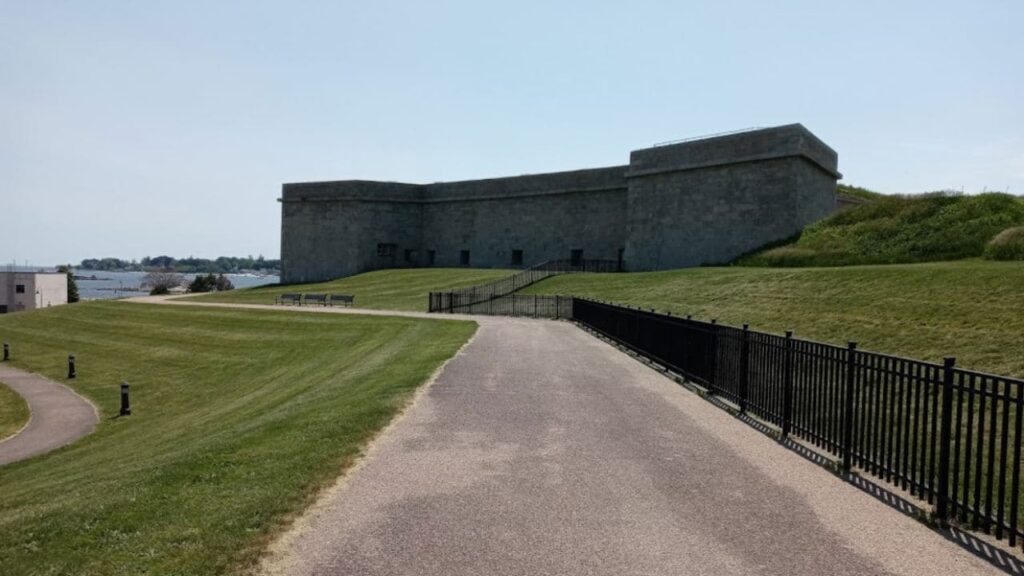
(702, 201)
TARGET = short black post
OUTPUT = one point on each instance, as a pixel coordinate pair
(942, 502)
(7, 351)
(71, 365)
(744, 368)
(787, 385)
(557, 306)
(689, 316)
(851, 367)
(126, 405)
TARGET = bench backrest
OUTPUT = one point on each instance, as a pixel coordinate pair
(316, 297)
(342, 297)
(291, 296)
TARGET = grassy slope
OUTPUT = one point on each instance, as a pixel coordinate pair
(402, 289)
(239, 417)
(900, 229)
(970, 309)
(859, 192)
(13, 412)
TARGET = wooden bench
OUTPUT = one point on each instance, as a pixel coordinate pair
(290, 298)
(344, 299)
(319, 299)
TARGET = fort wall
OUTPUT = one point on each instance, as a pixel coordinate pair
(700, 202)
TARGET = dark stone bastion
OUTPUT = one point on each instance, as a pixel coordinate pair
(702, 201)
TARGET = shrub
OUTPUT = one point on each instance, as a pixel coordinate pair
(1007, 245)
(209, 283)
(223, 283)
(72, 285)
(162, 282)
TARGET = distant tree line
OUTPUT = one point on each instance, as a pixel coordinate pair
(221, 265)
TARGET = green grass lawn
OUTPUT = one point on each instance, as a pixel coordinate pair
(903, 229)
(13, 412)
(400, 289)
(970, 309)
(239, 417)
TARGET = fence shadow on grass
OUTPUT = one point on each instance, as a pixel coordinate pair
(997, 557)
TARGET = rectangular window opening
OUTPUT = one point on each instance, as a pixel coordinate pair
(464, 258)
(431, 257)
(517, 257)
(19, 288)
(385, 249)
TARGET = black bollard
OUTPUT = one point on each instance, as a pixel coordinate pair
(7, 351)
(71, 365)
(126, 405)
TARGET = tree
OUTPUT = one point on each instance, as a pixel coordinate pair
(72, 286)
(223, 283)
(162, 282)
(209, 282)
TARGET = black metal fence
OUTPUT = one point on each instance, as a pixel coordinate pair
(468, 300)
(539, 306)
(950, 436)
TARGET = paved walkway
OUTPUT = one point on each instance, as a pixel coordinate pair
(542, 450)
(59, 416)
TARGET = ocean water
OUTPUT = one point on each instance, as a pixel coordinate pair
(101, 285)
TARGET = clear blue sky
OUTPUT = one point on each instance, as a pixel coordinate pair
(142, 128)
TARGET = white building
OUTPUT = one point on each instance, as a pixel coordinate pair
(29, 290)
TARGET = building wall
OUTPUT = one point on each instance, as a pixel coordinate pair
(332, 229)
(700, 202)
(52, 290)
(546, 216)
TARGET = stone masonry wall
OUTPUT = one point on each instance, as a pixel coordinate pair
(700, 202)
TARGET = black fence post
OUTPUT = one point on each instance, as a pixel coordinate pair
(942, 500)
(7, 351)
(126, 405)
(71, 365)
(787, 385)
(451, 302)
(851, 368)
(558, 306)
(744, 368)
(713, 380)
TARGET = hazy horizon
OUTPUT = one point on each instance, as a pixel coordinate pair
(136, 130)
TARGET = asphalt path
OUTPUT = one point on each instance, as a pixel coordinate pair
(540, 449)
(59, 416)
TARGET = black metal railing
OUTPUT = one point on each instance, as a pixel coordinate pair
(947, 435)
(468, 300)
(535, 306)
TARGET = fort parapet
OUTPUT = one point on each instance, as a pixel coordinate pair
(695, 202)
